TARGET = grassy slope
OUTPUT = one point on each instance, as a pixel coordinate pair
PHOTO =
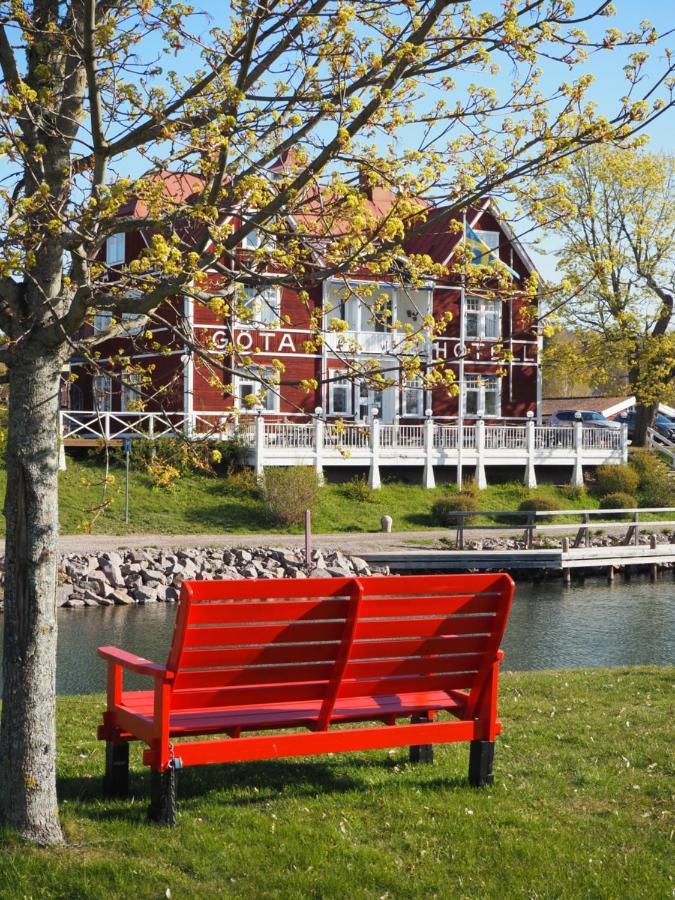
(580, 808)
(199, 504)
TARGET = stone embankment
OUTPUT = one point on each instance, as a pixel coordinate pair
(154, 576)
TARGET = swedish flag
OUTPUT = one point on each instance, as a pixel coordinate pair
(481, 254)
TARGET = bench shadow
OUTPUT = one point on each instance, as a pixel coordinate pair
(250, 784)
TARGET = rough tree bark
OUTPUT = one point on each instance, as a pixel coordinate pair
(27, 738)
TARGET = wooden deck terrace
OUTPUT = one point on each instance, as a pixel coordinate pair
(320, 443)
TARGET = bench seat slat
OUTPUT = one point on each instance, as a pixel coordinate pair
(244, 695)
(260, 716)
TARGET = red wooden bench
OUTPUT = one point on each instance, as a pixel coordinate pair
(312, 656)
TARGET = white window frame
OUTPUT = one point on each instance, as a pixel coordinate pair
(102, 393)
(115, 249)
(485, 310)
(257, 238)
(481, 386)
(341, 384)
(264, 303)
(271, 400)
(413, 387)
(128, 393)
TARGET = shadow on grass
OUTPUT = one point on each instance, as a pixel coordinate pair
(245, 784)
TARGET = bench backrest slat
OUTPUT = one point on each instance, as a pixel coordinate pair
(260, 642)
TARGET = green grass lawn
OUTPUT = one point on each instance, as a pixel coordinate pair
(581, 807)
(199, 503)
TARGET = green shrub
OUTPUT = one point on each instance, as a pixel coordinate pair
(618, 500)
(289, 491)
(241, 483)
(539, 503)
(358, 490)
(622, 479)
(573, 491)
(656, 487)
(443, 509)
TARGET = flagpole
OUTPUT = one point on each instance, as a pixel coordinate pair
(462, 342)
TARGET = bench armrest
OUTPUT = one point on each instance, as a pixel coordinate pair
(134, 663)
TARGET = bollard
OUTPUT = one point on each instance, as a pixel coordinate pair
(386, 522)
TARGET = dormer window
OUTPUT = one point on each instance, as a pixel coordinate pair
(115, 248)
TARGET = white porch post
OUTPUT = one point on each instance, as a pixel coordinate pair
(318, 444)
(530, 472)
(578, 472)
(374, 473)
(62, 449)
(428, 479)
(259, 447)
(624, 442)
(481, 480)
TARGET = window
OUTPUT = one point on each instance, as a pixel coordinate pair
(491, 238)
(413, 397)
(115, 249)
(263, 305)
(482, 395)
(102, 393)
(379, 312)
(102, 321)
(131, 330)
(252, 393)
(131, 390)
(257, 238)
(341, 304)
(341, 397)
(483, 318)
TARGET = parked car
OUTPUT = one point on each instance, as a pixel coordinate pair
(662, 423)
(589, 418)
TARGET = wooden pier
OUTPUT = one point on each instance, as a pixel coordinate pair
(551, 561)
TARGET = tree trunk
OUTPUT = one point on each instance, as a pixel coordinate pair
(27, 731)
(644, 418)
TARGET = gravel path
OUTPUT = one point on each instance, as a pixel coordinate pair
(350, 543)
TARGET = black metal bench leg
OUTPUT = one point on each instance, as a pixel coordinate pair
(481, 756)
(116, 778)
(163, 797)
(421, 753)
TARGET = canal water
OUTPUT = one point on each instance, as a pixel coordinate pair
(551, 627)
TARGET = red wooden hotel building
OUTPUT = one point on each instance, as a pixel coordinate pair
(489, 389)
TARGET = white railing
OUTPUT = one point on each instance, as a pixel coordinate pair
(402, 436)
(427, 445)
(658, 441)
(361, 341)
(601, 439)
(282, 434)
(352, 436)
(547, 437)
(506, 437)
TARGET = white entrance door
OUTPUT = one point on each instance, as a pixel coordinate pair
(383, 401)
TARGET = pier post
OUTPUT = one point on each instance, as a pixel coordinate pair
(374, 473)
(578, 472)
(259, 447)
(624, 442)
(318, 446)
(481, 480)
(428, 479)
(530, 472)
